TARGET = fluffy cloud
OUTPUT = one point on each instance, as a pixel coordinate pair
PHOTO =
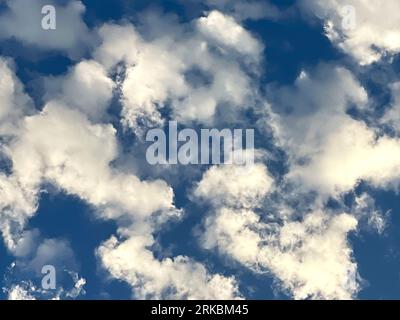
(225, 31)
(85, 87)
(374, 34)
(22, 20)
(191, 70)
(310, 258)
(232, 233)
(171, 278)
(65, 149)
(69, 151)
(18, 292)
(197, 70)
(313, 259)
(314, 105)
(240, 186)
(14, 102)
(350, 154)
(330, 151)
(73, 154)
(17, 205)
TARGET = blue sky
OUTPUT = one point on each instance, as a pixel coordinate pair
(315, 218)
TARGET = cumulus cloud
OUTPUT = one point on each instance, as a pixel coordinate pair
(361, 155)
(70, 152)
(318, 99)
(241, 186)
(309, 258)
(232, 233)
(171, 278)
(330, 151)
(17, 205)
(227, 32)
(192, 70)
(313, 259)
(203, 67)
(22, 20)
(73, 154)
(193, 73)
(15, 103)
(67, 150)
(374, 32)
(85, 87)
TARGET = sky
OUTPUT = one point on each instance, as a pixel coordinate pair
(315, 216)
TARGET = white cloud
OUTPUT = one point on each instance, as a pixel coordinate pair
(204, 66)
(227, 32)
(314, 105)
(113, 50)
(17, 292)
(351, 153)
(330, 152)
(22, 20)
(157, 69)
(242, 186)
(26, 290)
(156, 77)
(17, 204)
(309, 258)
(365, 208)
(75, 155)
(376, 30)
(313, 259)
(67, 150)
(86, 87)
(233, 233)
(14, 103)
(171, 278)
